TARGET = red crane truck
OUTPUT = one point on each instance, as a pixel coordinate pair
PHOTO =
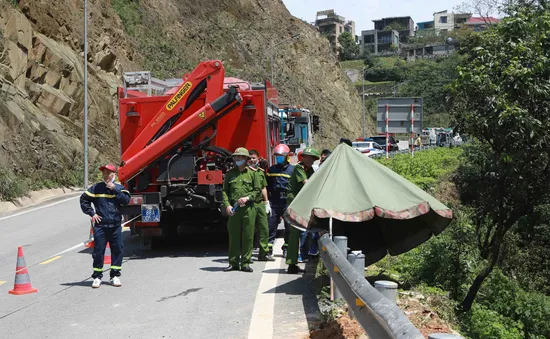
(176, 146)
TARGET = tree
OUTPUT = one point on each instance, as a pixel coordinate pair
(349, 49)
(431, 80)
(501, 98)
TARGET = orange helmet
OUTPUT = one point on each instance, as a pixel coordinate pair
(281, 149)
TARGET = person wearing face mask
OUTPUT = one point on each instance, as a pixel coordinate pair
(262, 209)
(277, 182)
(106, 196)
(299, 178)
(241, 188)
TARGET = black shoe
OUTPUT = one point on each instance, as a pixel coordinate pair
(230, 268)
(247, 269)
(294, 269)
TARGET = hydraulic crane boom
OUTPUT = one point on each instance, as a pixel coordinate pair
(171, 139)
(208, 74)
(156, 139)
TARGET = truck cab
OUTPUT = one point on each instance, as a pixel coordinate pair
(297, 127)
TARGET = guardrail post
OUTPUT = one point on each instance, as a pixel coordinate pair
(388, 289)
(357, 260)
(342, 243)
(379, 317)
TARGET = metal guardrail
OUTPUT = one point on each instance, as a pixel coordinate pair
(377, 315)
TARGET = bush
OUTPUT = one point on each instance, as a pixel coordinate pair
(10, 186)
(426, 168)
(483, 323)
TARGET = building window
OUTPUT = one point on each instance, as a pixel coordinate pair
(443, 19)
(340, 29)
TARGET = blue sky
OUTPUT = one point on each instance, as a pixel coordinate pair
(364, 11)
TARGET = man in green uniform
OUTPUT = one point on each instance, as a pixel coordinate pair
(241, 188)
(262, 209)
(302, 172)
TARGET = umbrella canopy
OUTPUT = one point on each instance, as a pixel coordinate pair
(378, 210)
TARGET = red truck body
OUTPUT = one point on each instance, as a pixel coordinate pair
(176, 147)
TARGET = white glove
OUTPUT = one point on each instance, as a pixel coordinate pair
(267, 208)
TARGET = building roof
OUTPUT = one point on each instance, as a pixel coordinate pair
(481, 20)
(393, 17)
(425, 22)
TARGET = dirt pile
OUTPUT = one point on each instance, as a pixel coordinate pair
(414, 305)
(41, 73)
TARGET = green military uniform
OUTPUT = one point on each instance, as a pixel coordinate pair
(295, 184)
(261, 218)
(236, 185)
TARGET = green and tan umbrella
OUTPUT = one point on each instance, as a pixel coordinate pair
(378, 210)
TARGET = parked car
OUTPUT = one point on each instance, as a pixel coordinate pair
(368, 148)
(381, 140)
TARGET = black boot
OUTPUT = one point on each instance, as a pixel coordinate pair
(247, 269)
(294, 269)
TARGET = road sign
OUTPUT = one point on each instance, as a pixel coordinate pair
(399, 115)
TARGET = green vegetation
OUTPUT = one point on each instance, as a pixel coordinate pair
(427, 168)
(443, 268)
(348, 49)
(14, 186)
(501, 97)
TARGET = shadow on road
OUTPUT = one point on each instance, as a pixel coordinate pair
(304, 285)
(213, 269)
(196, 245)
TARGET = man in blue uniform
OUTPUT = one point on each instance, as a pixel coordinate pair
(107, 196)
(277, 182)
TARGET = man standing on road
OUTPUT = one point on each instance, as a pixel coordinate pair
(277, 179)
(241, 188)
(107, 196)
(299, 178)
(263, 208)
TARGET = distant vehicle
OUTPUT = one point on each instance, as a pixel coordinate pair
(368, 148)
(381, 140)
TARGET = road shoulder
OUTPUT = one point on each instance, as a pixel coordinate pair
(36, 199)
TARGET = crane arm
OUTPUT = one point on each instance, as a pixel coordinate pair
(135, 164)
(208, 74)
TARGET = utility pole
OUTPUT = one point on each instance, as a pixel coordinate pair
(363, 99)
(271, 54)
(85, 94)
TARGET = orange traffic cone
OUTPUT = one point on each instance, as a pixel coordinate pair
(90, 243)
(22, 283)
(107, 258)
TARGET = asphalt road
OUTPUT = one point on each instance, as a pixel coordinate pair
(179, 291)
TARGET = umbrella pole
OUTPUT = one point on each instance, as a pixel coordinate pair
(331, 281)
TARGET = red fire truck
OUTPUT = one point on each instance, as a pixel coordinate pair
(177, 137)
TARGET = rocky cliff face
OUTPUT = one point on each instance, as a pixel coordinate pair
(41, 73)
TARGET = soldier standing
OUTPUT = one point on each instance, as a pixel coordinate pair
(278, 176)
(263, 208)
(241, 188)
(299, 178)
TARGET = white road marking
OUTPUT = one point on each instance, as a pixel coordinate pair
(38, 208)
(261, 325)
